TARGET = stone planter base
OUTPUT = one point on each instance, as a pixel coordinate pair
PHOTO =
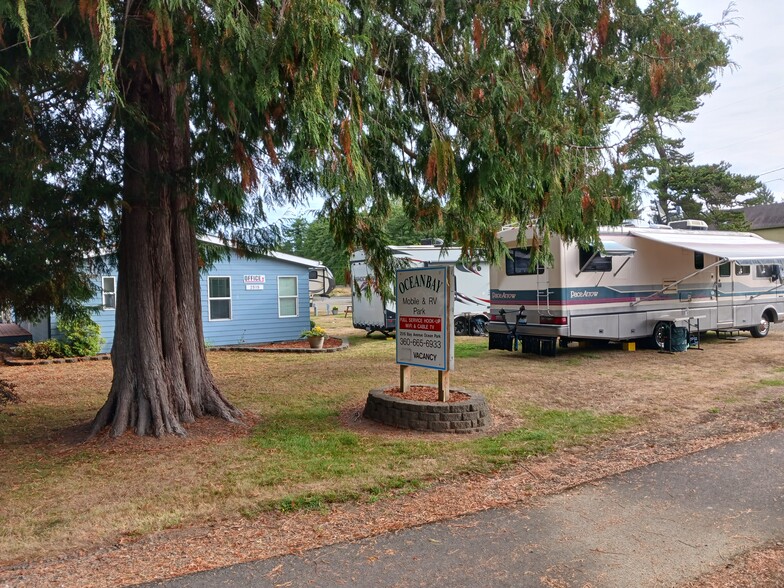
(467, 416)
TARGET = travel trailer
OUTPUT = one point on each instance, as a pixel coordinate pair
(472, 299)
(643, 284)
(320, 281)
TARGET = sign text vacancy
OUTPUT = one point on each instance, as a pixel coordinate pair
(424, 310)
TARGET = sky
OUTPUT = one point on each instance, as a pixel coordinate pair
(742, 122)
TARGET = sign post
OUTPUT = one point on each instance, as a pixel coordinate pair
(425, 319)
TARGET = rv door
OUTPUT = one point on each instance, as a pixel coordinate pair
(725, 290)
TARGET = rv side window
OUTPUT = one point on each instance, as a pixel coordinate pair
(742, 270)
(724, 270)
(766, 271)
(518, 262)
(599, 263)
(699, 260)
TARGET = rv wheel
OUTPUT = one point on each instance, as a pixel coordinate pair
(478, 326)
(761, 329)
(660, 334)
(461, 326)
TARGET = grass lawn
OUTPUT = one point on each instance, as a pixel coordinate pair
(305, 444)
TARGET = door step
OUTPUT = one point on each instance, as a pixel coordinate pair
(730, 335)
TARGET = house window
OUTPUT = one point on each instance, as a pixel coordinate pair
(287, 296)
(108, 284)
(596, 262)
(518, 263)
(219, 295)
(699, 260)
(742, 270)
(724, 270)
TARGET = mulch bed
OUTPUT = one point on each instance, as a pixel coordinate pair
(425, 394)
(329, 343)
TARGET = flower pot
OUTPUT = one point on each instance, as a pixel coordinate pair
(335, 311)
(316, 342)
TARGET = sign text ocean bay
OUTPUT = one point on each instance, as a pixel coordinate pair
(423, 318)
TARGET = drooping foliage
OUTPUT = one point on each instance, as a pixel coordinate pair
(472, 113)
(141, 122)
(58, 177)
(314, 240)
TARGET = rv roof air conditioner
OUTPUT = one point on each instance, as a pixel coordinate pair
(689, 225)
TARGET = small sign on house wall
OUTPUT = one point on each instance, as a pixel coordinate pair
(254, 279)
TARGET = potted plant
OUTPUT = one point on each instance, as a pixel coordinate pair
(315, 336)
(335, 310)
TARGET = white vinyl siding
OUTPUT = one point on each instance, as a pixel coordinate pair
(109, 292)
(287, 296)
(219, 296)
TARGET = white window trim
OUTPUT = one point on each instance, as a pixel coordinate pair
(296, 298)
(211, 298)
(103, 293)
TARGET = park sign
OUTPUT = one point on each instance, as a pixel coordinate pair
(425, 310)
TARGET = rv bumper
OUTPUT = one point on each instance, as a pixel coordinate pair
(529, 330)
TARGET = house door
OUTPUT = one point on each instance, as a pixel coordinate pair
(725, 290)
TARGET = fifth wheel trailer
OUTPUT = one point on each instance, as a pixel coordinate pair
(642, 284)
(472, 290)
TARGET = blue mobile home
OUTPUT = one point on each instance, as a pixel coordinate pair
(242, 300)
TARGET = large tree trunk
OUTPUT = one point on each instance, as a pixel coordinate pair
(161, 377)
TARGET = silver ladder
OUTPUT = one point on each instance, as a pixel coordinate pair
(542, 294)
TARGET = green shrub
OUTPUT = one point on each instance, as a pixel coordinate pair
(81, 336)
(25, 350)
(41, 349)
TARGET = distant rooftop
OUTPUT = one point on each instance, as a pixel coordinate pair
(765, 216)
(12, 330)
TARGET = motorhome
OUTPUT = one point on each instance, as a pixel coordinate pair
(472, 290)
(641, 284)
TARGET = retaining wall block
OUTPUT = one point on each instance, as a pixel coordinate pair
(454, 417)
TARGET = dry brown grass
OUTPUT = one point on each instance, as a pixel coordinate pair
(763, 568)
(59, 495)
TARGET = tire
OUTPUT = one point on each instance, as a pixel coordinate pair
(461, 326)
(762, 329)
(660, 333)
(478, 326)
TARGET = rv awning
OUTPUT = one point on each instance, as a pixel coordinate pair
(612, 248)
(743, 248)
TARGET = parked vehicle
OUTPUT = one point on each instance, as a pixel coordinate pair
(472, 300)
(320, 280)
(643, 283)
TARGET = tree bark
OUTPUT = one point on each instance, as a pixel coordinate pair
(161, 376)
